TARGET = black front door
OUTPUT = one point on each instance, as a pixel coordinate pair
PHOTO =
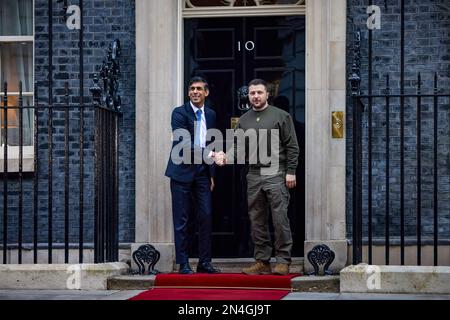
(229, 52)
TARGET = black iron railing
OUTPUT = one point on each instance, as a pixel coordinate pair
(408, 111)
(52, 184)
(105, 179)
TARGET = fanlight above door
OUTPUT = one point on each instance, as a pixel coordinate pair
(240, 3)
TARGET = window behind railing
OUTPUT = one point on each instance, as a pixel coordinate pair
(17, 65)
(59, 185)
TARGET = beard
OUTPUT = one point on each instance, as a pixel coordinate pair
(260, 106)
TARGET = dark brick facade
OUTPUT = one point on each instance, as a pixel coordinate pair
(427, 50)
(104, 21)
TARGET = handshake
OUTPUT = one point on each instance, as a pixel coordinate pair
(220, 158)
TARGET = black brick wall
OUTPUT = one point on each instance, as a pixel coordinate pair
(427, 50)
(104, 21)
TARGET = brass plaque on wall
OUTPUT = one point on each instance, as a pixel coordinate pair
(233, 122)
(337, 124)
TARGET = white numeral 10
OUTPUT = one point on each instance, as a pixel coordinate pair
(249, 46)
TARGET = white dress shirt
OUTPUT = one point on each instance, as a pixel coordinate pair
(203, 124)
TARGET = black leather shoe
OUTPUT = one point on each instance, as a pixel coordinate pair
(185, 268)
(206, 267)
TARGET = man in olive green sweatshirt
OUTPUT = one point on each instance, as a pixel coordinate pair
(266, 187)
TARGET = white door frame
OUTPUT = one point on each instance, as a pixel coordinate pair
(159, 85)
(325, 82)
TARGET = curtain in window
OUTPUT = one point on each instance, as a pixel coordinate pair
(13, 122)
(16, 64)
(16, 17)
(16, 57)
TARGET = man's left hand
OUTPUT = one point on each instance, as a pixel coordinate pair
(290, 181)
(212, 184)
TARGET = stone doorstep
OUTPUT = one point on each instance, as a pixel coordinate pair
(87, 276)
(315, 284)
(298, 284)
(364, 278)
(131, 282)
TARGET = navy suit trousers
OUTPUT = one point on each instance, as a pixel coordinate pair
(188, 196)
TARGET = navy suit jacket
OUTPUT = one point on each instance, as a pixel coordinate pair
(183, 117)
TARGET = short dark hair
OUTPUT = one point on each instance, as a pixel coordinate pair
(256, 82)
(198, 79)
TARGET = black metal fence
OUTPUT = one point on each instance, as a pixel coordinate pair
(421, 181)
(62, 123)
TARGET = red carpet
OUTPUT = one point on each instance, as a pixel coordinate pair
(223, 286)
(228, 280)
(210, 294)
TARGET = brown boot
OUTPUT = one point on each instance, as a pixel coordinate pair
(260, 267)
(281, 269)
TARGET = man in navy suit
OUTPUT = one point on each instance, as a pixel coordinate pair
(191, 183)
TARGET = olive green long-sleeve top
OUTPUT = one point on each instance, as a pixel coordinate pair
(273, 118)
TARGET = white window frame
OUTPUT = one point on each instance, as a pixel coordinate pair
(13, 151)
